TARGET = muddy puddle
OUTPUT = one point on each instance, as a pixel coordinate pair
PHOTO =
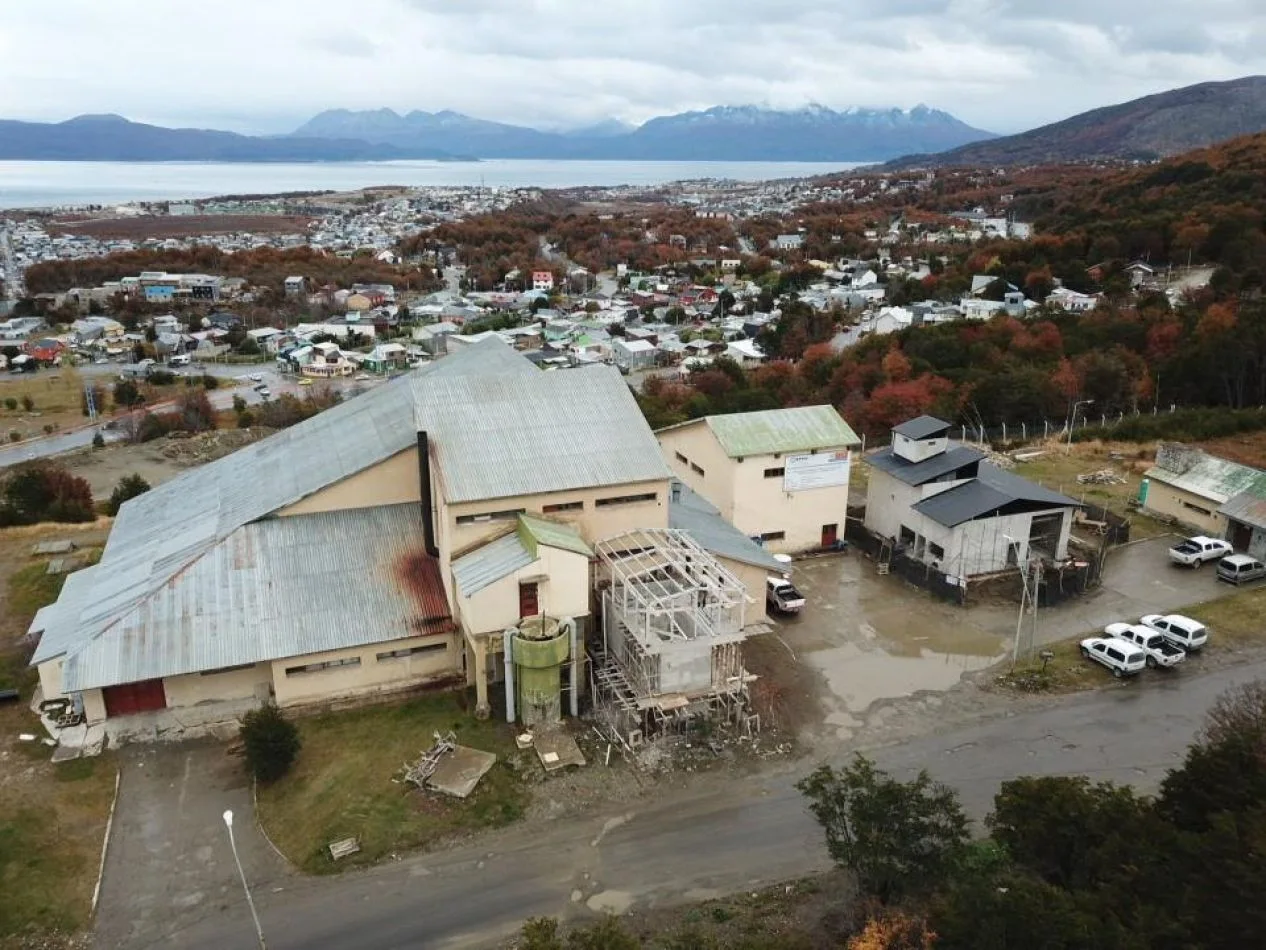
(873, 638)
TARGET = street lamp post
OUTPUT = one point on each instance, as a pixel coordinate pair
(1072, 423)
(250, 901)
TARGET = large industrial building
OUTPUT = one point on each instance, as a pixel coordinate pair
(410, 536)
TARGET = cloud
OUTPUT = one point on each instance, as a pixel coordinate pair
(999, 64)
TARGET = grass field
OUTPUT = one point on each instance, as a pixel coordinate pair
(56, 397)
(52, 817)
(341, 785)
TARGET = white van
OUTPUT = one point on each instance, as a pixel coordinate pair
(179, 359)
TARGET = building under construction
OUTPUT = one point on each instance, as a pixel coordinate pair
(671, 640)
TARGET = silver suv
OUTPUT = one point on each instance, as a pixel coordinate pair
(1240, 569)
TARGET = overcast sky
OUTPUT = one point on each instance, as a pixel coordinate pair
(267, 65)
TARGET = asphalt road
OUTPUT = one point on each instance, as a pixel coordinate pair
(735, 834)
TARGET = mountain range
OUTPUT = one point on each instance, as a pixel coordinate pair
(1157, 126)
(723, 133)
(112, 138)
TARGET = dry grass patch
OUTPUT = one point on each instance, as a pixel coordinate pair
(341, 786)
(1238, 620)
(56, 395)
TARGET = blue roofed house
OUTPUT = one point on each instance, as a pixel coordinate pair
(942, 503)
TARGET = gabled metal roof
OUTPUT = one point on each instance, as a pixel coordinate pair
(162, 532)
(488, 564)
(992, 491)
(1196, 471)
(274, 589)
(920, 473)
(778, 431)
(922, 427)
(553, 534)
(1246, 508)
(495, 437)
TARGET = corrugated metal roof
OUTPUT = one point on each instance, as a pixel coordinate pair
(919, 473)
(161, 532)
(922, 427)
(1246, 508)
(276, 588)
(781, 431)
(59, 621)
(486, 565)
(495, 437)
(554, 534)
(694, 514)
(991, 491)
(1198, 472)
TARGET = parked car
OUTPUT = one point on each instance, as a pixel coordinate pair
(782, 596)
(1123, 659)
(1195, 551)
(264, 392)
(1159, 651)
(256, 377)
(306, 381)
(1240, 569)
(362, 377)
(1181, 631)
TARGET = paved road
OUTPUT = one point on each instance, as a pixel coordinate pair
(733, 836)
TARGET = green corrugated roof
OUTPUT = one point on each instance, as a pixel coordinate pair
(552, 534)
(1207, 475)
(781, 431)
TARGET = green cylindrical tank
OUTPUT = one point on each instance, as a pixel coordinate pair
(539, 650)
(1143, 487)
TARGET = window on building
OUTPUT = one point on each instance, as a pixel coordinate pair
(1189, 506)
(490, 516)
(775, 472)
(773, 535)
(321, 667)
(681, 458)
(936, 550)
(412, 651)
(563, 506)
(906, 536)
(696, 469)
(625, 500)
(228, 669)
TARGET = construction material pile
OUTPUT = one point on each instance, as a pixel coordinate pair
(1105, 476)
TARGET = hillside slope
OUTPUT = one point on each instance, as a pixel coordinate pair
(1157, 126)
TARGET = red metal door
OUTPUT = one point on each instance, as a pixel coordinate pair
(129, 698)
(527, 600)
(830, 534)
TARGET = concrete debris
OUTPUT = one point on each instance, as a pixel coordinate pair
(343, 848)
(421, 771)
(458, 772)
(186, 449)
(1105, 476)
(557, 750)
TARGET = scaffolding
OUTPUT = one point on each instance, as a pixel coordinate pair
(672, 629)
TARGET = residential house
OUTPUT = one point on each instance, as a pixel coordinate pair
(942, 503)
(780, 476)
(295, 286)
(17, 329)
(632, 354)
(45, 349)
(386, 357)
(1191, 487)
(543, 280)
(787, 242)
(745, 352)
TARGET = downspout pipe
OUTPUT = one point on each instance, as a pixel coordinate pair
(570, 624)
(428, 513)
(507, 638)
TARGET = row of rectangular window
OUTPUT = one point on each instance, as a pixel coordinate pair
(354, 661)
(512, 513)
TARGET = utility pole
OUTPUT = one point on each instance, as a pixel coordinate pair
(250, 901)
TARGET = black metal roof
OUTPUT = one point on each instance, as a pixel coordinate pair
(991, 491)
(918, 473)
(922, 427)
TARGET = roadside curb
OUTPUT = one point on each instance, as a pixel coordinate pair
(259, 826)
(105, 841)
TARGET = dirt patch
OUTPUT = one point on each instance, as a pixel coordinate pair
(157, 461)
(181, 225)
(785, 694)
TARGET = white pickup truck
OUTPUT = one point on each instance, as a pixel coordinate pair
(1159, 651)
(1195, 551)
(782, 596)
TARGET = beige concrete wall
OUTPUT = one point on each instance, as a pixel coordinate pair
(753, 579)
(94, 705)
(594, 523)
(391, 481)
(51, 679)
(369, 676)
(697, 443)
(250, 683)
(563, 591)
(763, 506)
(1169, 501)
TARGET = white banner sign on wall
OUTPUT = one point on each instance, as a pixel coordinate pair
(823, 470)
